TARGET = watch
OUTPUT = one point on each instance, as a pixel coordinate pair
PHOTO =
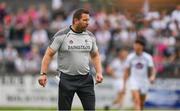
(43, 73)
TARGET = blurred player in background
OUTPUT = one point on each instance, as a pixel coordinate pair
(140, 70)
(116, 70)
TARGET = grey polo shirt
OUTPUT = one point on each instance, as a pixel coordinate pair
(73, 50)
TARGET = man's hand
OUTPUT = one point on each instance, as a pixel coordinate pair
(99, 78)
(152, 79)
(124, 89)
(42, 80)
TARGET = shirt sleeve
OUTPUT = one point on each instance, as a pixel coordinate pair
(128, 62)
(94, 45)
(150, 61)
(113, 64)
(56, 42)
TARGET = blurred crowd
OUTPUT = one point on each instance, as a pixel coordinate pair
(25, 34)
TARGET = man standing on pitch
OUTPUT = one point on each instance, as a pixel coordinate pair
(76, 47)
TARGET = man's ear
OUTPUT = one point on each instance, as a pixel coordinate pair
(75, 21)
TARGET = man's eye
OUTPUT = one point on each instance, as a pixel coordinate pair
(85, 19)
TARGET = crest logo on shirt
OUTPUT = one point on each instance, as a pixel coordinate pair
(139, 65)
(86, 40)
(71, 41)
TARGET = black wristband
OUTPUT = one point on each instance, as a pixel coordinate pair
(43, 73)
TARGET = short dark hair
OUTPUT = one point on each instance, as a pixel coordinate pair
(77, 14)
(119, 49)
(140, 41)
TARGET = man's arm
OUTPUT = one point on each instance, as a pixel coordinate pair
(96, 60)
(152, 73)
(47, 59)
(125, 77)
(151, 70)
(44, 66)
(110, 71)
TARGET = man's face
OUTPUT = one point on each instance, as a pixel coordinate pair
(123, 54)
(138, 47)
(178, 7)
(83, 22)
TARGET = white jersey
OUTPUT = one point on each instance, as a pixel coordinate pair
(118, 67)
(139, 65)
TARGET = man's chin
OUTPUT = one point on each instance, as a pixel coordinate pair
(84, 28)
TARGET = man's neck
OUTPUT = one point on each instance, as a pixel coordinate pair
(75, 29)
(122, 60)
(139, 53)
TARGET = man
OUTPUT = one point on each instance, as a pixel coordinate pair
(116, 70)
(139, 64)
(75, 46)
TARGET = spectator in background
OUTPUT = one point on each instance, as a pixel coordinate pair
(27, 37)
(32, 60)
(101, 17)
(56, 4)
(161, 23)
(116, 39)
(103, 37)
(3, 11)
(20, 64)
(40, 37)
(126, 20)
(124, 36)
(33, 14)
(1, 60)
(20, 24)
(139, 18)
(1, 55)
(176, 61)
(174, 27)
(147, 32)
(58, 23)
(9, 26)
(132, 34)
(176, 14)
(44, 16)
(162, 58)
(114, 18)
(10, 55)
(153, 14)
(2, 38)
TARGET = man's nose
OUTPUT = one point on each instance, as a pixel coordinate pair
(87, 23)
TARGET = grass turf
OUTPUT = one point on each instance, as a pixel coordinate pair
(73, 109)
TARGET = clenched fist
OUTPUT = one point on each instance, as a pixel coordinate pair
(42, 80)
(99, 78)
